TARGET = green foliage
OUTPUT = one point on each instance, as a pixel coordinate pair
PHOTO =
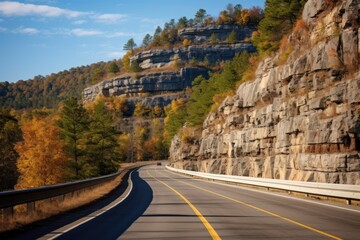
(175, 119)
(10, 133)
(200, 16)
(113, 68)
(135, 67)
(213, 38)
(147, 40)
(200, 100)
(74, 125)
(48, 91)
(102, 142)
(232, 38)
(280, 17)
(130, 45)
(203, 91)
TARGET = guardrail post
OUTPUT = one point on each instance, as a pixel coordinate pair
(348, 201)
(30, 207)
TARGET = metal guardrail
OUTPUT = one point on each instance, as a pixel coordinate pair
(342, 191)
(12, 198)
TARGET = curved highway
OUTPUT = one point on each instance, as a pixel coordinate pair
(165, 205)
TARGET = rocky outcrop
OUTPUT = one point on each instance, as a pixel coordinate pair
(213, 53)
(152, 83)
(222, 32)
(297, 121)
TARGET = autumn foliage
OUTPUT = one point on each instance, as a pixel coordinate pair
(41, 158)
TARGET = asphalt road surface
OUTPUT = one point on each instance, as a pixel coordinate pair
(165, 205)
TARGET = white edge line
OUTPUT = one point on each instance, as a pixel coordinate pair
(269, 193)
(103, 210)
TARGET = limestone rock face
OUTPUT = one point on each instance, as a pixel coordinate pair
(159, 82)
(299, 120)
(213, 53)
(203, 34)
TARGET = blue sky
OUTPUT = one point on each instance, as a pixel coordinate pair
(40, 37)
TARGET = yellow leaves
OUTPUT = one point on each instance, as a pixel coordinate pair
(41, 158)
(186, 42)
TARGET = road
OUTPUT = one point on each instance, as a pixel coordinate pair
(165, 205)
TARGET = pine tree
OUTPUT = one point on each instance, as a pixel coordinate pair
(280, 16)
(74, 123)
(130, 45)
(147, 40)
(200, 16)
(102, 144)
(10, 133)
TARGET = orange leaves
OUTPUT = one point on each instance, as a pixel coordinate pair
(41, 158)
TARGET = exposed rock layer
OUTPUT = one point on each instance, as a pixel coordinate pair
(297, 121)
(222, 32)
(213, 53)
(159, 82)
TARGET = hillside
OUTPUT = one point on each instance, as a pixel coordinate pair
(49, 91)
(299, 117)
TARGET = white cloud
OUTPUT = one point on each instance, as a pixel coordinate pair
(124, 34)
(2, 29)
(23, 9)
(79, 22)
(117, 54)
(79, 32)
(30, 31)
(109, 18)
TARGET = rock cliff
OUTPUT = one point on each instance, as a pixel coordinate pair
(152, 83)
(298, 120)
(203, 34)
(213, 53)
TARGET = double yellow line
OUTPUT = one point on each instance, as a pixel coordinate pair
(207, 225)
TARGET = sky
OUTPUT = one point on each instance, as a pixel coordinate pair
(40, 37)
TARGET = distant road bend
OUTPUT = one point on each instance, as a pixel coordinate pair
(165, 205)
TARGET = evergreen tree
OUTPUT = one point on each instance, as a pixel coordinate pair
(200, 16)
(74, 124)
(10, 133)
(232, 38)
(182, 22)
(147, 40)
(130, 45)
(102, 144)
(280, 17)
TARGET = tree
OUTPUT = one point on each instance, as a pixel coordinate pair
(232, 38)
(147, 40)
(213, 38)
(130, 45)
(175, 118)
(142, 110)
(113, 67)
(182, 23)
(200, 16)
(41, 159)
(97, 74)
(74, 124)
(102, 142)
(280, 17)
(10, 133)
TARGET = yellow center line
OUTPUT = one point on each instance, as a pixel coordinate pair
(207, 225)
(259, 209)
